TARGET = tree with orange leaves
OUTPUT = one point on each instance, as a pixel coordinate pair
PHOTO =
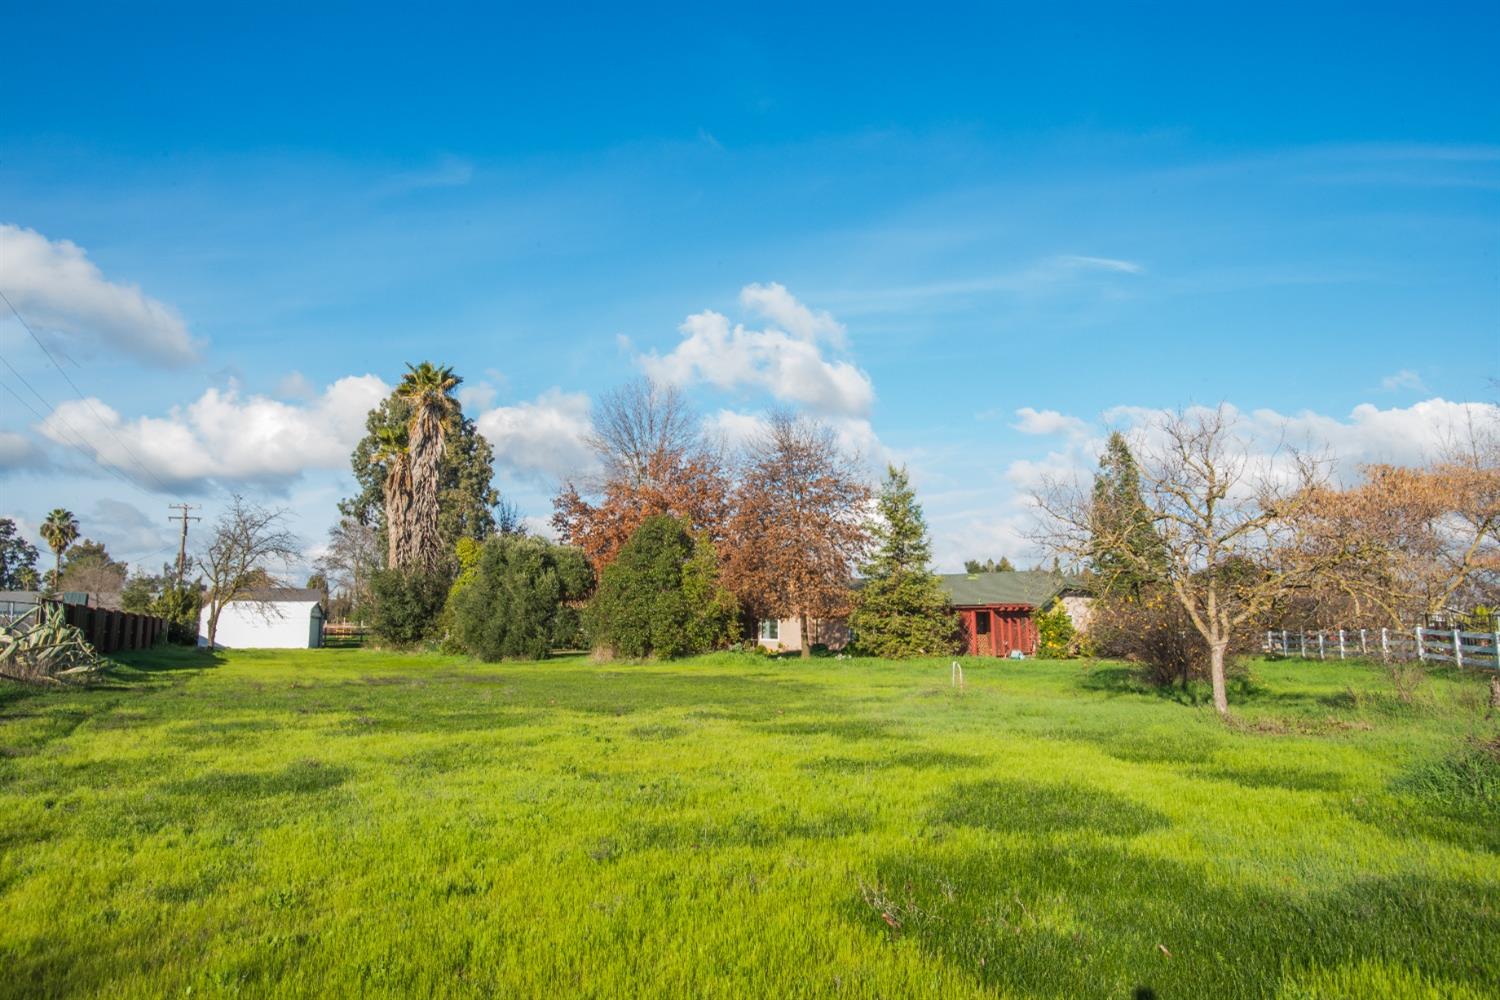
(653, 459)
(800, 524)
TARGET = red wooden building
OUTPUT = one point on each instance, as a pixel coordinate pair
(996, 609)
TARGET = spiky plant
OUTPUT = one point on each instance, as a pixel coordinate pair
(47, 650)
(428, 390)
(59, 530)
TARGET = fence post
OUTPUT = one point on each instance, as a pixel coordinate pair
(1322, 648)
(1341, 644)
(1286, 650)
(1421, 653)
(1364, 646)
(1496, 647)
(1385, 646)
(1458, 648)
(1270, 644)
(1302, 641)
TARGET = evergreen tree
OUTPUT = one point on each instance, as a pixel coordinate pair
(661, 595)
(17, 558)
(1119, 513)
(901, 610)
(516, 597)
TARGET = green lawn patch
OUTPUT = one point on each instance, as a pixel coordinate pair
(358, 823)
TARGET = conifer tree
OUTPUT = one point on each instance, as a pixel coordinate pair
(1119, 513)
(901, 610)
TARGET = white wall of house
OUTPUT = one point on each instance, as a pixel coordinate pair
(1080, 609)
(265, 625)
(787, 635)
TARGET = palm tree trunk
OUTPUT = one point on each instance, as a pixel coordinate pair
(426, 545)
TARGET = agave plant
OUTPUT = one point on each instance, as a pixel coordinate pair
(47, 650)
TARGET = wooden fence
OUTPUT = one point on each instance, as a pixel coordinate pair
(1465, 649)
(112, 631)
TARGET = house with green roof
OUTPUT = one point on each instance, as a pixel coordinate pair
(995, 610)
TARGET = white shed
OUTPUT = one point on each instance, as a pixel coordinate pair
(268, 619)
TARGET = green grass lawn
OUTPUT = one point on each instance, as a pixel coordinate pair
(353, 823)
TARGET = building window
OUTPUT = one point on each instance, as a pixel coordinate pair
(981, 623)
(770, 628)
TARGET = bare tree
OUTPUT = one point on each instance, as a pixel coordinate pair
(1228, 528)
(640, 425)
(654, 460)
(353, 556)
(246, 538)
(800, 525)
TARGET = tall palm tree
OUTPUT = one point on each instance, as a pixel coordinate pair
(391, 452)
(428, 390)
(59, 530)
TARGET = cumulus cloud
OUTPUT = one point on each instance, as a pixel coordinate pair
(1048, 422)
(784, 359)
(61, 291)
(224, 435)
(1368, 434)
(542, 439)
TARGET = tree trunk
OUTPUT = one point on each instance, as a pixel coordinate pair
(213, 625)
(806, 638)
(1216, 651)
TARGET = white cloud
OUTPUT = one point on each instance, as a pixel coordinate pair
(61, 292)
(542, 440)
(1100, 264)
(1048, 422)
(1404, 380)
(224, 436)
(477, 395)
(786, 363)
(775, 303)
(17, 451)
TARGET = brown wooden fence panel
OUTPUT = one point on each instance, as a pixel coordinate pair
(111, 631)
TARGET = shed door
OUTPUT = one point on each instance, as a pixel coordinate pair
(984, 634)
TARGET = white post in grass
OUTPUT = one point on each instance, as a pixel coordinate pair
(1364, 646)
(1421, 653)
(1458, 648)
(1286, 650)
(1385, 646)
(1270, 645)
(1322, 649)
(1341, 644)
(1496, 647)
(1302, 640)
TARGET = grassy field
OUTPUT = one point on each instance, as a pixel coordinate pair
(355, 823)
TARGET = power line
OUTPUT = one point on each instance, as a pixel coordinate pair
(74, 440)
(79, 393)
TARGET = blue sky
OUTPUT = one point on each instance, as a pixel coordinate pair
(971, 239)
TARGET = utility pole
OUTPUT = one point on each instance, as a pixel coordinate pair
(182, 515)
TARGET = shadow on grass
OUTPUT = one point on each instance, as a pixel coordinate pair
(1027, 807)
(1099, 920)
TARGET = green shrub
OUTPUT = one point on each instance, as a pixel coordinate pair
(516, 599)
(179, 606)
(1055, 633)
(407, 605)
(661, 596)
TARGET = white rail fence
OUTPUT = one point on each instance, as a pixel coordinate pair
(1465, 649)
